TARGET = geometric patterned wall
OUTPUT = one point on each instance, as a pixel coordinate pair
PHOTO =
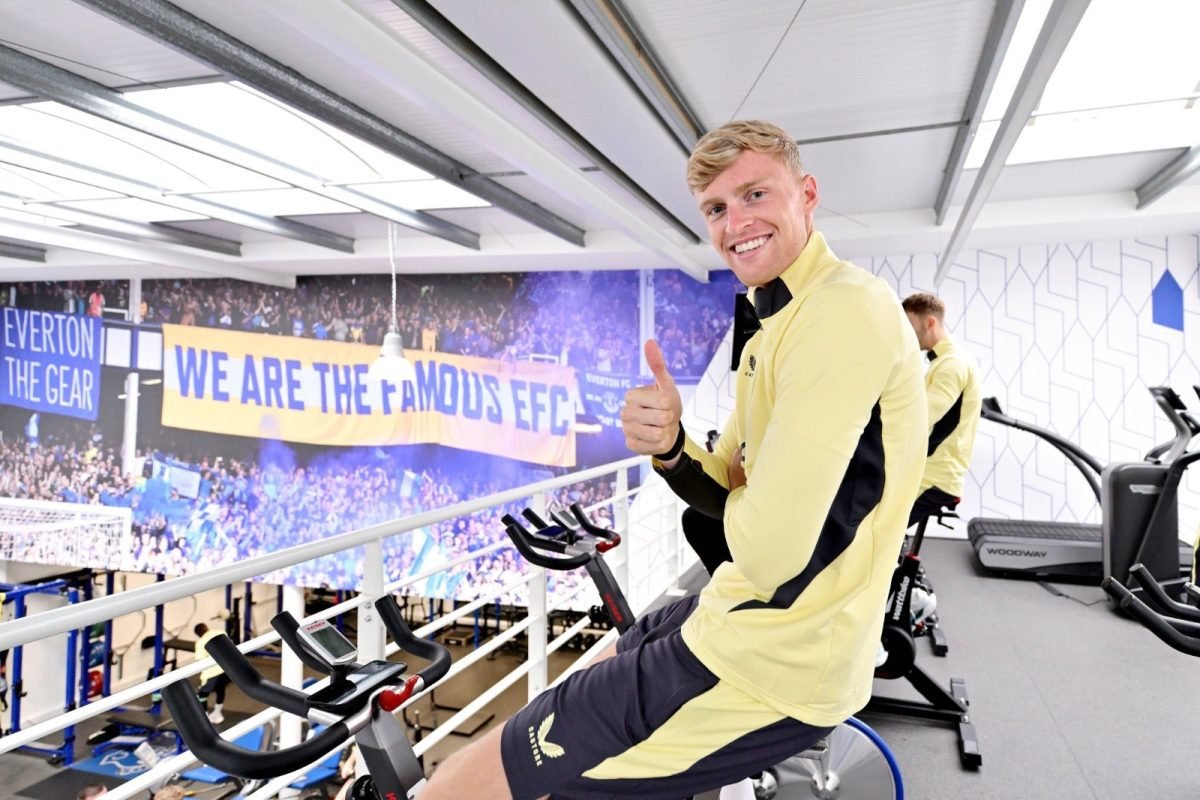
(1068, 337)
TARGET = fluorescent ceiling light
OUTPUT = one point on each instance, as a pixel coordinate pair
(40, 187)
(31, 216)
(431, 193)
(133, 209)
(1126, 52)
(1127, 83)
(1131, 129)
(63, 132)
(1029, 25)
(279, 202)
(240, 114)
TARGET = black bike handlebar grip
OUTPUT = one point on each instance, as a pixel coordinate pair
(538, 542)
(590, 527)
(402, 635)
(526, 547)
(1159, 598)
(208, 746)
(251, 681)
(286, 626)
(532, 516)
(1159, 626)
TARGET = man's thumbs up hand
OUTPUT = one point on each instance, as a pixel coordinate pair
(651, 414)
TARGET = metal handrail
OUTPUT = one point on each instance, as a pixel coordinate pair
(81, 615)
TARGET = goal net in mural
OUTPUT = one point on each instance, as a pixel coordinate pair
(66, 534)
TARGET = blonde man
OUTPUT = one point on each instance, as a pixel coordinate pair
(813, 476)
(955, 400)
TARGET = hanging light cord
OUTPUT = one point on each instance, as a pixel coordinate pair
(392, 262)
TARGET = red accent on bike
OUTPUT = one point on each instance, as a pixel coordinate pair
(608, 544)
(389, 701)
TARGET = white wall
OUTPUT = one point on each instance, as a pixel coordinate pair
(1065, 338)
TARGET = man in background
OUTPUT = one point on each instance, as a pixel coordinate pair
(212, 680)
(954, 398)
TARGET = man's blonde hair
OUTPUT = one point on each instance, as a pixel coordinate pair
(924, 304)
(713, 154)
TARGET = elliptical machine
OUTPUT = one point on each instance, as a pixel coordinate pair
(359, 702)
(852, 763)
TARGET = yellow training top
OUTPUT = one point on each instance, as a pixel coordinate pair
(952, 386)
(831, 411)
(202, 653)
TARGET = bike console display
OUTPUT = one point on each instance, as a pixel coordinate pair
(327, 642)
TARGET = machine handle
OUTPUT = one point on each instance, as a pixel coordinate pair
(529, 546)
(592, 528)
(207, 745)
(1156, 623)
(438, 655)
(251, 681)
(1160, 599)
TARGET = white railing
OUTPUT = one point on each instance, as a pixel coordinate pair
(655, 556)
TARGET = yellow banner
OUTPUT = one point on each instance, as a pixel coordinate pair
(318, 392)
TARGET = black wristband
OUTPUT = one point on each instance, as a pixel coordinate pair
(676, 448)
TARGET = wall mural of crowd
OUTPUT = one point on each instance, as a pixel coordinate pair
(202, 499)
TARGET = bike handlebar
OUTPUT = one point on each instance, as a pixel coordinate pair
(436, 654)
(529, 546)
(207, 745)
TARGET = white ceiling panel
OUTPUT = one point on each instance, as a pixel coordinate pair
(882, 173)
(259, 25)
(11, 94)
(90, 44)
(845, 66)
(1079, 176)
(569, 73)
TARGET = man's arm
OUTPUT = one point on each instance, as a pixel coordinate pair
(830, 373)
(650, 419)
(945, 385)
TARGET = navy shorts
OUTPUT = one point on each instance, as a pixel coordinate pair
(650, 722)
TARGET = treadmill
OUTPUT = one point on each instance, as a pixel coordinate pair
(1077, 552)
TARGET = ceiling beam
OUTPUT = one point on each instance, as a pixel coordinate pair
(19, 156)
(21, 251)
(381, 53)
(466, 49)
(995, 45)
(193, 36)
(618, 34)
(1172, 175)
(115, 226)
(61, 86)
(1061, 22)
(119, 248)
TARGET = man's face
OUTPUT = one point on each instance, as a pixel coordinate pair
(759, 216)
(921, 326)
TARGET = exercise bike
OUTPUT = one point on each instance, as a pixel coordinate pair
(852, 763)
(901, 627)
(359, 702)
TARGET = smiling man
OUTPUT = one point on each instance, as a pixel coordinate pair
(813, 477)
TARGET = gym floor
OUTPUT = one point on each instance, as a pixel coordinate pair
(1069, 700)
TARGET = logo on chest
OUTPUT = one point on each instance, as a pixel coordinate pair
(751, 363)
